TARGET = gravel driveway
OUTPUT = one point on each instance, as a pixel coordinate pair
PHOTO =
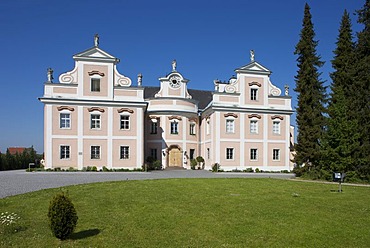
(19, 182)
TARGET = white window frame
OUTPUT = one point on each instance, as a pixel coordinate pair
(95, 152)
(192, 128)
(230, 125)
(275, 154)
(253, 154)
(124, 152)
(125, 122)
(64, 154)
(230, 153)
(97, 122)
(254, 94)
(153, 127)
(208, 126)
(276, 127)
(253, 126)
(65, 120)
(92, 80)
(174, 127)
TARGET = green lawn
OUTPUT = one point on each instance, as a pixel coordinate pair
(199, 213)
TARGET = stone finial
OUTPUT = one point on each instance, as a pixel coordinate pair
(139, 79)
(50, 75)
(174, 65)
(286, 87)
(96, 40)
(252, 55)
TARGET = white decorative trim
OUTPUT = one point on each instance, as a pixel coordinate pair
(265, 143)
(110, 141)
(80, 149)
(121, 80)
(70, 77)
(218, 136)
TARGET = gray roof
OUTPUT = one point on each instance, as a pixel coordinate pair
(203, 97)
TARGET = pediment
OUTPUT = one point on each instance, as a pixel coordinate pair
(95, 53)
(253, 68)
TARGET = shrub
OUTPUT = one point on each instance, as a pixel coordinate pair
(94, 168)
(157, 165)
(248, 169)
(106, 169)
(193, 163)
(62, 216)
(216, 167)
(257, 170)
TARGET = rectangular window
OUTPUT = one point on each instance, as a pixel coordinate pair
(254, 93)
(64, 152)
(229, 153)
(192, 128)
(125, 152)
(276, 154)
(95, 85)
(253, 126)
(208, 127)
(174, 127)
(208, 153)
(229, 126)
(276, 127)
(153, 153)
(95, 122)
(125, 122)
(65, 120)
(253, 154)
(153, 127)
(192, 152)
(95, 152)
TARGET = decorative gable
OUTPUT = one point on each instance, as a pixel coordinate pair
(253, 68)
(95, 54)
(173, 85)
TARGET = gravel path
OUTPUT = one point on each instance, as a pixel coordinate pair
(19, 182)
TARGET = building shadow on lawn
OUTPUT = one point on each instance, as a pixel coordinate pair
(84, 234)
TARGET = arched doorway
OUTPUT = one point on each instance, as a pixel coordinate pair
(174, 156)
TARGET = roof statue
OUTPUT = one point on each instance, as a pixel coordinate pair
(252, 55)
(174, 64)
(139, 79)
(286, 87)
(96, 40)
(50, 75)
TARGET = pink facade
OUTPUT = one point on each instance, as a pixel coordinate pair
(95, 117)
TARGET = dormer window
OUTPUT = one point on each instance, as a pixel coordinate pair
(95, 84)
(254, 93)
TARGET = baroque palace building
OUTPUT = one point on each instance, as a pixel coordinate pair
(94, 116)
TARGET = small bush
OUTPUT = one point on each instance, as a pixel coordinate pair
(62, 216)
(248, 169)
(106, 169)
(257, 170)
(94, 168)
(157, 165)
(193, 164)
(216, 167)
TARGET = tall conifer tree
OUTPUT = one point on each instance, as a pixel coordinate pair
(361, 90)
(341, 138)
(311, 96)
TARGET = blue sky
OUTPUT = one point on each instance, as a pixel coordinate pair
(209, 39)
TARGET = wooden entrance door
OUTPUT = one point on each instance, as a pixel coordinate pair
(174, 158)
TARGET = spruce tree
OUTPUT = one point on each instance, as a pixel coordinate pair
(341, 138)
(311, 96)
(361, 90)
